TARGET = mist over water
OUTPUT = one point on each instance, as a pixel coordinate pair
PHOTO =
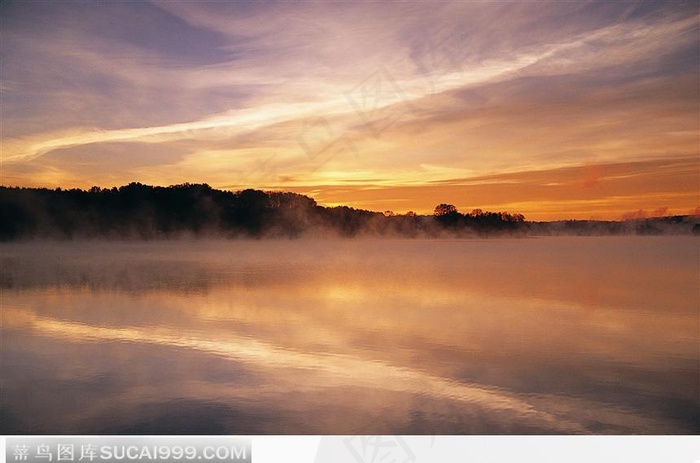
(536, 335)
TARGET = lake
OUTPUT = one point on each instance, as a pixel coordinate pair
(492, 336)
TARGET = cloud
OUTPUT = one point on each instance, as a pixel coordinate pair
(546, 194)
(462, 87)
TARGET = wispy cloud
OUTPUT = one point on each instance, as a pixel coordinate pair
(463, 87)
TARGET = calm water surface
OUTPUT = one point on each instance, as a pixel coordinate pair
(548, 335)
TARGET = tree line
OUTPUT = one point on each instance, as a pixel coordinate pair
(198, 210)
(148, 212)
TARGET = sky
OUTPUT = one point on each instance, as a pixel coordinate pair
(552, 109)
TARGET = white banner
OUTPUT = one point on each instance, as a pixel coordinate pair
(351, 449)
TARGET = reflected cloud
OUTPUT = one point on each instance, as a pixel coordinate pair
(336, 371)
(472, 336)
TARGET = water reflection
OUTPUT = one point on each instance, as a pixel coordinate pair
(554, 335)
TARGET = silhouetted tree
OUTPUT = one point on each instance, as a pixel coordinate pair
(142, 211)
(447, 215)
(444, 209)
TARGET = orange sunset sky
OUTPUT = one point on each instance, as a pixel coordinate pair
(556, 110)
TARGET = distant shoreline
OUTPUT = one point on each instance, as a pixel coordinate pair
(143, 212)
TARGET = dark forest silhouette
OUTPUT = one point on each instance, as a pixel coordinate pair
(149, 212)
